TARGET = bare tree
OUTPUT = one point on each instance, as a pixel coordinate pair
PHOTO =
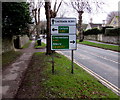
(35, 11)
(47, 12)
(84, 5)
(110, 16)
(55, 9)
(50, 14)
(42, 26)
(63, 12)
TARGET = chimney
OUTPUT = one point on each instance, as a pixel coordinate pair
(103, 23)
(91, 20)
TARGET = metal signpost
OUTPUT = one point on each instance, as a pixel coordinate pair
(63, 35)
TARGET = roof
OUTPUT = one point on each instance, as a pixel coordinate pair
(95, 25)
(115, 21)
(84, 26)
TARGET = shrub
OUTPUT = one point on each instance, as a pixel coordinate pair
(93, 31)
(104, 28)
(112, 31)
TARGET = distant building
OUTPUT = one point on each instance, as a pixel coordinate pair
(91, 25)
(84, 26)
(115, 22)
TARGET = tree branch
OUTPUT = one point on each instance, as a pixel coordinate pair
(55, 6)
(59, 5)
(74, 6)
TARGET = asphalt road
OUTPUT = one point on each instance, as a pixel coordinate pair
(103, 62)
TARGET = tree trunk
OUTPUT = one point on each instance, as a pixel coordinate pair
(48, 16)
(80, 34)
(36, 22)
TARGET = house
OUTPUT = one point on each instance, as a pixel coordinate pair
(92, 25)
(115, 22)
(84, 26)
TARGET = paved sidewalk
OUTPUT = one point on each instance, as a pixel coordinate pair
(13, 74)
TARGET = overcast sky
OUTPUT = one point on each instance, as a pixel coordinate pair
(111, 5)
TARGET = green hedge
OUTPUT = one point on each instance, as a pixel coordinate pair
(93, 31)
(104, 28)
(112, 31)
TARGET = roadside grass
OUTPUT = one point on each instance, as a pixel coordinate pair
(43, 45)
(9, 57)
(104, 46)
(39, 82)
(26, 45)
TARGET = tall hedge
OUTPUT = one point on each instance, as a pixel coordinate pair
(104, 28)
(93, 31)
(15, 18)
(112, 32)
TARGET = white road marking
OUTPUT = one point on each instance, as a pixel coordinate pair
(81, 56)
(94, 54)
(101, 79)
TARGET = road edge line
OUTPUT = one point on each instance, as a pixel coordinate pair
(98, 77)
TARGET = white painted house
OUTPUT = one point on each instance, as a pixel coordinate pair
(92, 25)
(115, 22)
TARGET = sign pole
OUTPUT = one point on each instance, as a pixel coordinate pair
(52, 62)
(72, 62)
(63, 36)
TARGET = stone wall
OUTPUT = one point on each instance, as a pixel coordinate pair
(23, 40)
(111, 39)
(91, 37)
(0, 45)
(8, 43)
(103, 38)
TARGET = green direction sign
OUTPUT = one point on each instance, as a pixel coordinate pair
(60, 42)
(63, 29)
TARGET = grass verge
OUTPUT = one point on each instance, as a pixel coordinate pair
(39, 82)
(43, 45)
(104, 46)
(9, 57)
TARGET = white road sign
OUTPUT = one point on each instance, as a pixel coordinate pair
(63, 21)
(72, 42)
(63, 42)
(63, 34)
(63, 30)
